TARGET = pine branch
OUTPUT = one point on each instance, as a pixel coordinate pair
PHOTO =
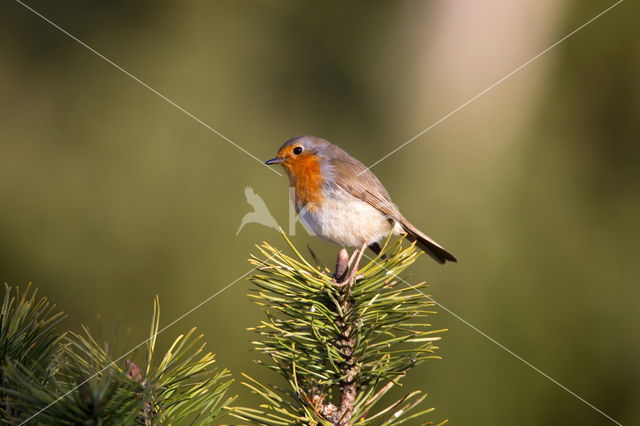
(346, 345)
(29, 337)
(85, 381)
(339, 348)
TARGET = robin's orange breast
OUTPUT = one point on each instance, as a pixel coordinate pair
(305, 176)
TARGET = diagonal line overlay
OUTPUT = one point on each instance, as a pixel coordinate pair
(145, 85)
(434, 124)
(114, 362)
(500, 345)
(151, 89)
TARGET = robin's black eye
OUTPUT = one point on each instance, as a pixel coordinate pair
(297, 150)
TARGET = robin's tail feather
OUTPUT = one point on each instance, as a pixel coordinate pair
(429, 246)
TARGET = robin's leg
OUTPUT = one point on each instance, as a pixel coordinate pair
(354, 268)
(343, 263)
(353, 256)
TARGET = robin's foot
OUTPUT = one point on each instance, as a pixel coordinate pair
(353, 273)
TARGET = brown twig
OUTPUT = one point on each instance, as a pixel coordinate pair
(342, 266)
(346, 346)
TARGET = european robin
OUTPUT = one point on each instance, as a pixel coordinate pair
(342, 201)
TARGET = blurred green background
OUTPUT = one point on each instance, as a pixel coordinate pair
(110, 194)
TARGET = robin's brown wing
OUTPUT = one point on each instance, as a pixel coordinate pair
(353, 177)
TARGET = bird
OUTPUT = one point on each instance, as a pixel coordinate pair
(260, 213)
(341, 201)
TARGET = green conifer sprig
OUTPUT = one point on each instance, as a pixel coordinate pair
(91, 382)
(28, 328)
(332, 343)
(28, 336)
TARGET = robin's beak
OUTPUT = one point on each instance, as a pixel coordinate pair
(275, 160)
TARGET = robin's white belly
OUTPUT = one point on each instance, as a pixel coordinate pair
(345, 220)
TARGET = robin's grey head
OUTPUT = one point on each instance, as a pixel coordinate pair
(300, 147)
